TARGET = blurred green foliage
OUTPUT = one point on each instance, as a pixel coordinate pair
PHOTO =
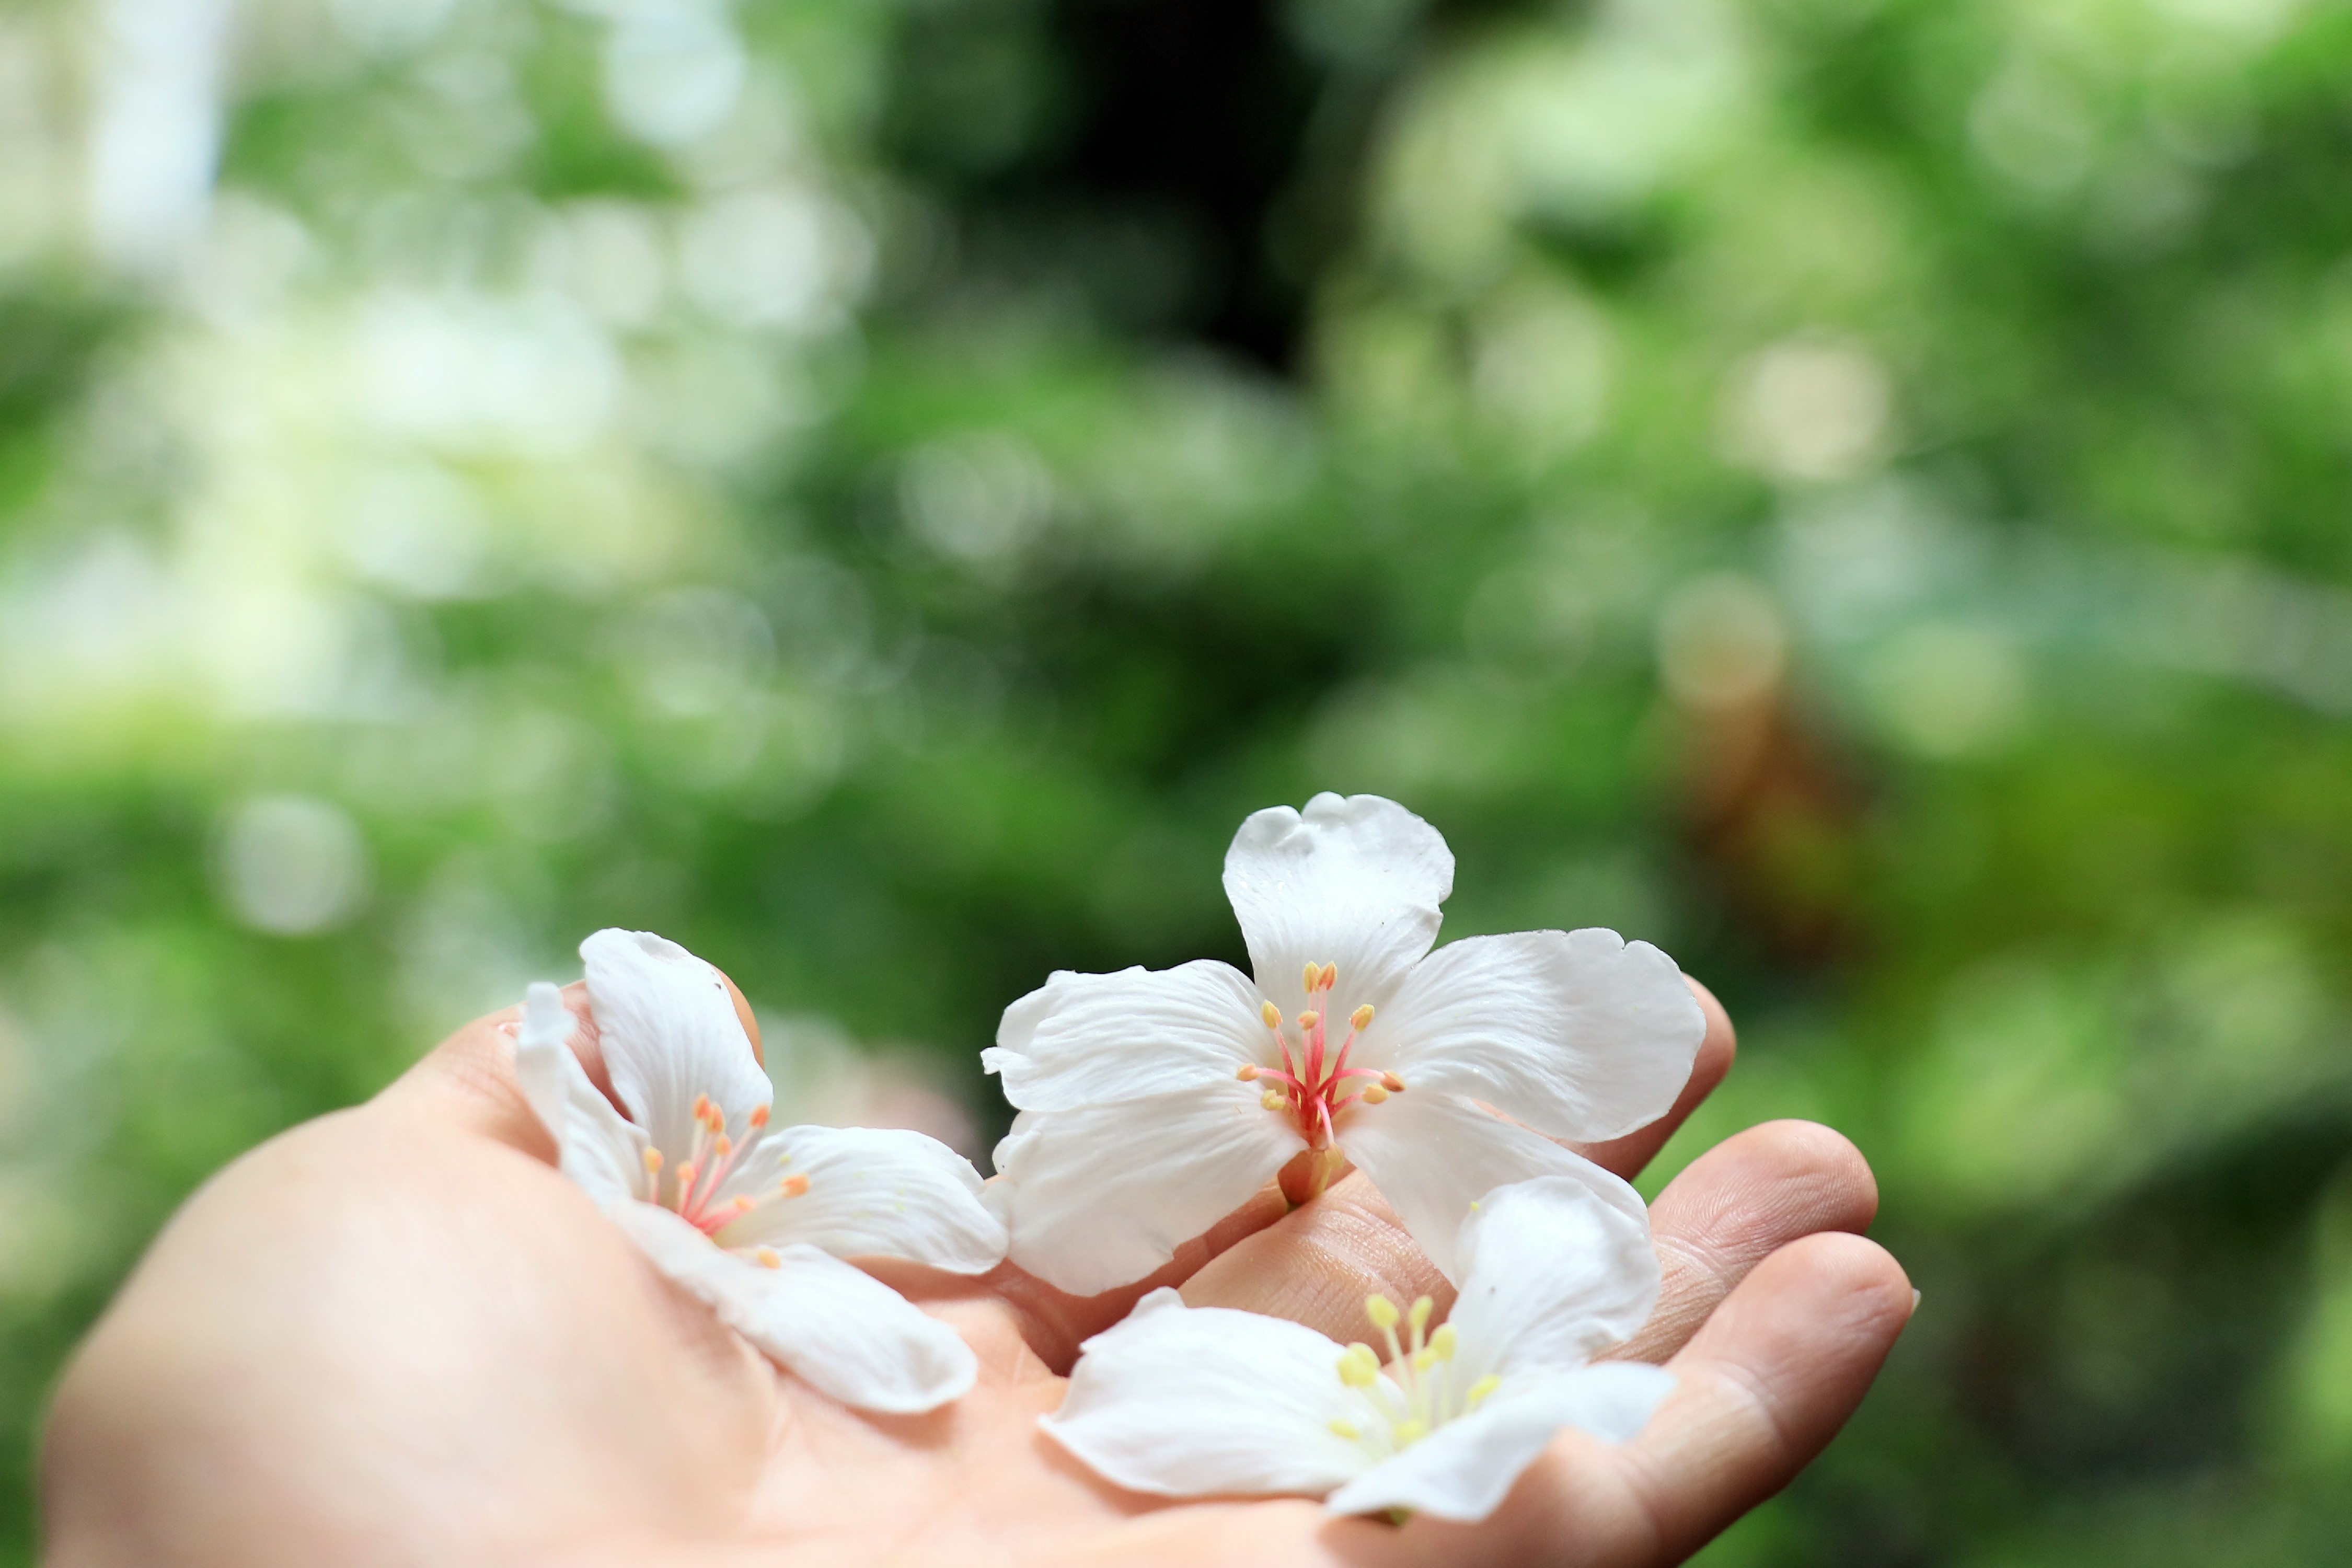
(1850, 489)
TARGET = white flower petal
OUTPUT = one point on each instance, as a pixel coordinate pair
(670, 1035)
(843, 1331)
(1551, 1274)
(1433, 1155)
(597, 1146)
(1089, 1040)
(872, 1192)
(1463, 1470)
(1354, 881)
(1188, 1402)
(1579, 1034)
(1102, 1195)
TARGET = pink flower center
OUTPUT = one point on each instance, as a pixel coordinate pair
(694, 1185)
(1313, 1082)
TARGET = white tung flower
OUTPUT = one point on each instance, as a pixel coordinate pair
(1154, 1103)
(1188, 1402)
(753, 1219)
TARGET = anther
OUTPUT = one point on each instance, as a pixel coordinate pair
(702, 1108)
(1358, 1367)
(653, 1159)
(1412, 1430)
(1342, 1429)
(1312, 979)
(768, 1258)
(1272, 1099)
(685, 1174)
(726, 1146)
(1330, 977)
(1309, 1020)
(1480, 1389)
(1361, 1018)
(1381, 1312)
(795, 1186)
(1372, 1094)
(745, 1203)
(759, 1117)
(1271, 1015)
(1393, 1083)
(1443, 1342)
(1419, 1315)
(1248, 1072)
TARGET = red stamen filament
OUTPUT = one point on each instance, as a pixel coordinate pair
(1304, 1087)
(713, 1158)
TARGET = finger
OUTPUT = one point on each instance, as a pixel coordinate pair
(1738, 1203)
(1768, 1381)
(1630, 1155)
(468, 1081)
(1054, 1323)
(1316, 1265)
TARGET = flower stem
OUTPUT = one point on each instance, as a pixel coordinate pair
(1310, 1171)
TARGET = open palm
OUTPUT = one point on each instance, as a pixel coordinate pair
(398, 1335)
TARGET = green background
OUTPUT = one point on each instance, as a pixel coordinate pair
(1851, 490)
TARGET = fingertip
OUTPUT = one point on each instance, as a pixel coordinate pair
(743, 1014)
(1780, 1173)
(1721, 1041)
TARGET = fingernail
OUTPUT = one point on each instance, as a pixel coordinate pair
(1915, 1300)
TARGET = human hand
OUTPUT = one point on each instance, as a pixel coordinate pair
(398, 1335)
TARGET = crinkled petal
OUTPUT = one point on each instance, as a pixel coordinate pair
(1091, 1039)
(1579, 1034)
(843, 1331)
(1552, 1274)
(1102, 1195)
(1189, 1402)
(1463, 1470)
(597, 1146)
(670, 1035)
(1355, 882)
(1433, 1155)
(872, 1192)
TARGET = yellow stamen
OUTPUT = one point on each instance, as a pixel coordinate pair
(744, 1202)
(1419, 1316)
(1393, 1083)
(1362, 1017)
(1381, 1312)
(1443, 1342)
(1271, 1015)
(1309, 1020)
(1412, 1430)
(759, 1117)
(1249, 1071)
(768, 1258)
(1272, 1099)
(1312, 979)
(1330, 976)
(1480, 1389)
(795, 1186)
(1342, 1429)
(653, 1158)
(1358, 1367)
(1373, 1094)
(726, 1146)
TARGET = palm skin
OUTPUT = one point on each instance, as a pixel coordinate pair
(397, 1335)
